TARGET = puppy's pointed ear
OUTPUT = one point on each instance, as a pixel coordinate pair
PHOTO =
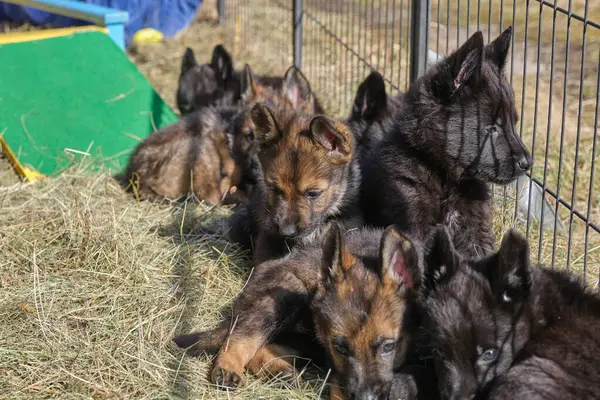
(399, 263)
(249, 85)
(460, 70)
(371, 98)
(337, 260)
(334, 137)
(497, 51)
(440, 260)
(510, 279)
(266, 130)
(297, 90)
(222, 63)
(466, 61)
(189, 61)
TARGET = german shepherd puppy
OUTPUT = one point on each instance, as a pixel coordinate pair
(202, 85)
(218, 84)
(309, 178)
(364, 310)
(453, 134)
(360, 287)
(502, 328)
(211, 151)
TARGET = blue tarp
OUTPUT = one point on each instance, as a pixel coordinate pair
(167, 16)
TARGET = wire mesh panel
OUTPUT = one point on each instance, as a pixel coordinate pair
(554, 69)
(260, 34)
(344, 40)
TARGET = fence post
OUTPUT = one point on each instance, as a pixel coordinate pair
(419, 38)
(221, 10)
(297, 32)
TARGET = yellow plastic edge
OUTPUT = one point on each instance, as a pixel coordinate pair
(28, 173)
(17, 37)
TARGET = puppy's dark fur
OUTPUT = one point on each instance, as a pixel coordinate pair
(503, 328)
(372, 114)
(218, 84)
(453, 133)
(214, 84)
(274, 303)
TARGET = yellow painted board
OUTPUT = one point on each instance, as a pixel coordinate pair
(27, 173)
(18, 37)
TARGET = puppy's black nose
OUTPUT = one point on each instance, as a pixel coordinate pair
(524, 163)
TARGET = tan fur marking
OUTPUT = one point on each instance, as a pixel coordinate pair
(335, 392)
(236, 353)
(384, 320)
(348, 259)
(311, 184)
(273, 359)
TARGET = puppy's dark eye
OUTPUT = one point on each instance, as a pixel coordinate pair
(313, 194)
(489, 355)
(341, 345)
(388, 347)
(439, 353)
(275, 189)
(343, 350)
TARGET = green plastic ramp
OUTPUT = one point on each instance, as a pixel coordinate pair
(66, 97)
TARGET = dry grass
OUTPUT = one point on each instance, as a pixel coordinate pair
(94, 285)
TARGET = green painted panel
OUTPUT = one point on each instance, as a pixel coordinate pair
(80, 93)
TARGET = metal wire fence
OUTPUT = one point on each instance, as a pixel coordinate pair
(554, 69)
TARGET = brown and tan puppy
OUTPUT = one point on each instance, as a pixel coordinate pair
(191, 156)
(206, 152)
(308, 178)
(364, 311)
(359, 287)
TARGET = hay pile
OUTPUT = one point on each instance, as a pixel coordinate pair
(94, 285)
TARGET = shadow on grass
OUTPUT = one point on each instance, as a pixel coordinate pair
(195, 228)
